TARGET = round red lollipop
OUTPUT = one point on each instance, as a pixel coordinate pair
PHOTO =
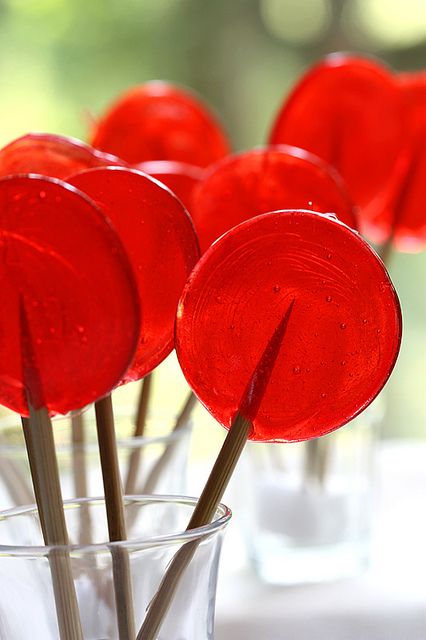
(159, 121)
(349, 111)
(52, 155)
(181, 178)
(70, 313)
(247, 184)
(406, 219)
(341, 338)
(162, 246)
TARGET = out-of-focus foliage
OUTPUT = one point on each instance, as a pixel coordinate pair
(62, 61)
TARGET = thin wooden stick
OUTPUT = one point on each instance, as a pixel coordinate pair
(317, 457)
(47, 488)
(324, 455)
(167, 455)
(15, 481)
(135, 456)
(203, 513)
(218, 480)
(115, 516)
(385, 251)
(29, 443)
(310, 450)
(187, 409)
(79, 467)
(78, 438)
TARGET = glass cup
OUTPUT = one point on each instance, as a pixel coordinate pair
(158, 459)
(30, 603)
(308, 514)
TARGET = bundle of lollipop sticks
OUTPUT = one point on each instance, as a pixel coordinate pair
(285, 328)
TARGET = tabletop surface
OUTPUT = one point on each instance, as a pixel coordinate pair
(387, 602)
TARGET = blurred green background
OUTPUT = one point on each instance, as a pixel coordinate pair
(63, 61)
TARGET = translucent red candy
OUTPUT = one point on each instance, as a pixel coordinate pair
(70, 316)
(406, 222)
(349, 111)
(48, 154)
(181, 178)
(159, 121)
(161, 244)
(342, 336)
(247, 184)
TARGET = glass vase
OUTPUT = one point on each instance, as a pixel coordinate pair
(308, 517)
(28, 599)
(159, 459)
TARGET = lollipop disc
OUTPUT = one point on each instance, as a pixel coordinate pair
(159, 121)
(406, 223)
(68, 297)
(162, 246)
(51, 155)
(348, 110)
(247, 184)
(342, 337)
(181, 178)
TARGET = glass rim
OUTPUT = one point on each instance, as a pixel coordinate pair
(223, 513)
(129, 442)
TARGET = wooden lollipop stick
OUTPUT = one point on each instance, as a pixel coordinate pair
(310, 449)
(162, 462)
(135, 456)
(79, 467)
(142, 412)
(187, 409)
(78, 437)
(115, 516)
(203, 514)
(48, 490)
(38, 434)
(317, 459)
(151, 482)
(385, 251)
(29, 443)
(218, 480)
(14, 480)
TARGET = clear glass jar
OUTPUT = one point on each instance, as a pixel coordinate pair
(161, 458)
(27, 594)
(306, 512)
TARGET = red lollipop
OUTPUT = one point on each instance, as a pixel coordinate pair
(181, 178)
(159, 121)
(341, 339)
(349, 111)
(247, 184)
(162, 246)
(52, 155)
(406, 222)
(66, 280)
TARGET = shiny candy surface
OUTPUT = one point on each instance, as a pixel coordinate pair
(70, 317)
(349, 111)
(51, 155)
(406, 222)
(162, 247)
(159, 121)
(342, 336)
(181, 178)
(261, 180)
